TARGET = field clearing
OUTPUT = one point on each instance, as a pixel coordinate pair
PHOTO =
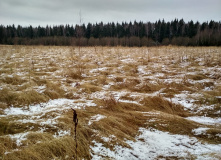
(132, 103)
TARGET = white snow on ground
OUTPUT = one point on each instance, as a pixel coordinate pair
(62, 133)
(108, 139)
(128, 60)
(183, 99)
(19, 137)
(96, 118)
(151, 113)
(98, 70)
(49, 121)
(200, 131)
(36, 114)
(152, 143)
(40, 89)
(205, 107)
(128, 101)
(105, 94)
(205, 120)
(106, 87)
(117, 95)
(141, 70)
(187, 101)
(52, 105)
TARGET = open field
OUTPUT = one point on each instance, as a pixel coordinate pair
(132, 103)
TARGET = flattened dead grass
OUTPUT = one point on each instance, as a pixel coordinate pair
(57, 69)
(53, 90)
(14, 80)
(160, 104)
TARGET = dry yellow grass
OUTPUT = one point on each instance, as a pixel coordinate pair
(130, 87)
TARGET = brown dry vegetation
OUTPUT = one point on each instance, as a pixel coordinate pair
(126, 84)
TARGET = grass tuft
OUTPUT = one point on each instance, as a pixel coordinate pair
(14, 80)
(53, 90)
(74, 74)
(160, 104)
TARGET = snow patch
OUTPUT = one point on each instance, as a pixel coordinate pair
(183, 100)
(40, 89)
(141, 70)
(152, 143)
(62, 133)
(98, 70)
(52, 105)
(19, 137)
(205, 120)
(96, 118)
(128, 60)
(200, 131)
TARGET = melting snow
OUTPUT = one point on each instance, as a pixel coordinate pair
(199, 131)
(52, 105)
(151, 144)
(141, 70)
(19, 137)
(205, 120)
(183, 100)
(40, 89)
(62, 133)
(36, 114)
(98, 70)
(96, 118)
(128, 60)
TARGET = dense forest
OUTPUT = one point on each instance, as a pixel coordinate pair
(176, 32)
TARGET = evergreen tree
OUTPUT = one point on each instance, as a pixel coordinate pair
(30, 32)
(2, 34)
(88, 30)
(180, 31)
(176, 32)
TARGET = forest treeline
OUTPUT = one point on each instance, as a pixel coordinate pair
(176, 32)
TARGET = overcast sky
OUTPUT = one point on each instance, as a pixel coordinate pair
(56, 12)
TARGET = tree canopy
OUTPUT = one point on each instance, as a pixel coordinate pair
(176, 32)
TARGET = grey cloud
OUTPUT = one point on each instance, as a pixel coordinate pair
(67, 11)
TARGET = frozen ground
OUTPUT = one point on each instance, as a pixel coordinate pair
(155, 144)
(127, 78)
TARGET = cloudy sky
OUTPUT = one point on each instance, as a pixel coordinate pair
(55, 12)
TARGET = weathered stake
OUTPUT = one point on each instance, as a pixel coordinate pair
(75, 120)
